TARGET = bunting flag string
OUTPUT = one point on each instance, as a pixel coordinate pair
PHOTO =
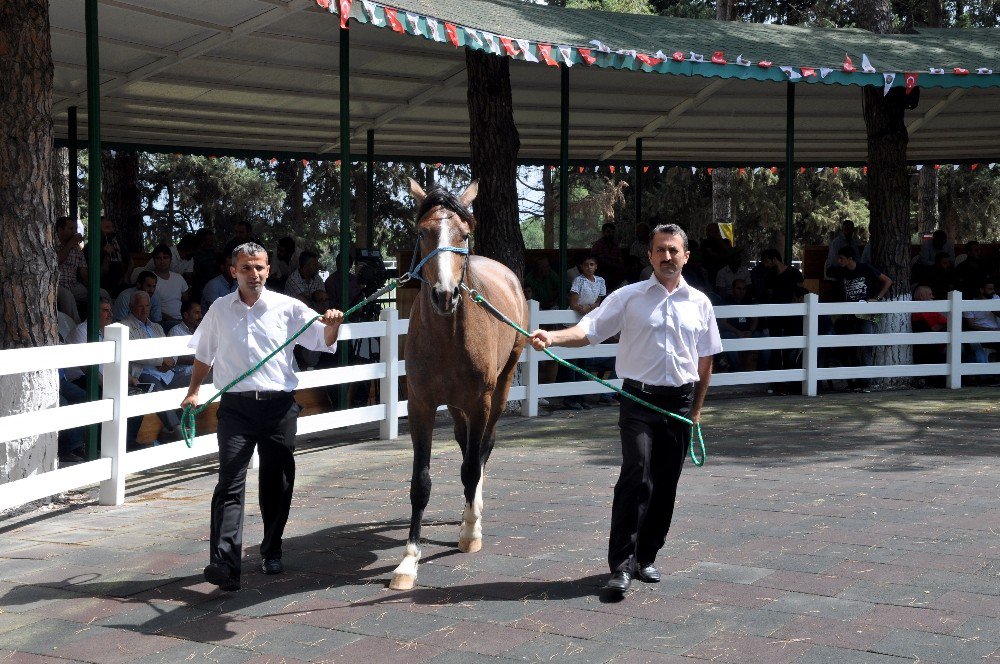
(596, 52)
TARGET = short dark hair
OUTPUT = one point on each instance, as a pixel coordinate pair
(306, 256)
(162, 249)
(187, 304)
(848, 252)
(246, 224)
(288, 242)
(770, 255)
(669, 229)
(588, 257)
(62, 221)
(608, 225)
(145, 274)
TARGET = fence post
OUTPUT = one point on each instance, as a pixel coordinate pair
(113, 433)
(955, 340)
(810, 354)
(529, 407)
(389, 388)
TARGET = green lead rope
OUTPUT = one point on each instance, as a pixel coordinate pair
(695, 426)
(189, 414)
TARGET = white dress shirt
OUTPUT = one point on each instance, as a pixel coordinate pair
(662, 334)
(234, 337)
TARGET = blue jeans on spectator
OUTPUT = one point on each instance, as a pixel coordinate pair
(71, 440)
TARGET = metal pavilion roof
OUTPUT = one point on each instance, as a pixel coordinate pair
(262, 76)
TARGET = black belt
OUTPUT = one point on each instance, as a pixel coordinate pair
(260, 395)
(659, 390)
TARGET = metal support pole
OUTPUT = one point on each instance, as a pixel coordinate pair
(638, 181)
(93, 203)
(789, 167)
(345, 188)
(74, 163)
(563, 186)
(370, 196)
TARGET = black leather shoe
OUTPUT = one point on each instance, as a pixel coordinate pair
(272, 566)
(648, 574)
(220, 575)
(619, 582)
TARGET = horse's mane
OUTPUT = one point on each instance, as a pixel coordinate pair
(440, 196)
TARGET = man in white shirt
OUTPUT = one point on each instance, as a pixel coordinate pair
(170, 287)
(239, 331)
(668, 337)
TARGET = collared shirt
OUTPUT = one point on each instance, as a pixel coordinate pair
(181, 330)
(234, 337)
(79, 336)
(70, 267)
(148, 330)
(662, 334)
(589, 291)
(297, 285)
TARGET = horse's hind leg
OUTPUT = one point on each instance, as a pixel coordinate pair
(470, 537)
(421, 429)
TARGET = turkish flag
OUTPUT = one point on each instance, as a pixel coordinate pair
(647, 59)
(808, 71)
(452, 32)
(324, 4)
(508, 46)
(764, 64)
(345, 12)
(545, 50)
(848, 66)
(678, 56)
(960, 71)
(612, 168)
(911, 81)
(719, 58)
(390, 14)
(587, 57)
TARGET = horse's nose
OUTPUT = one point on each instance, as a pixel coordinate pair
(444, 299)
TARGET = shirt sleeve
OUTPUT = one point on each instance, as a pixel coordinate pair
(710, 342)
(205, 339)
(606, 320)
(575, 287)
(313, 338)
(602, 287)
(155, 314)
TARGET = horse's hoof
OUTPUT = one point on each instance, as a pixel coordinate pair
(470, 545)
(402, 582)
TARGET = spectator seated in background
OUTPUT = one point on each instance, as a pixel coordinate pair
(742, 327)
(639, 249)
(306, 280)
(181, 258)
(931, 247)
(586, 294)
(544, 283)
(152, 374)
(284, 261)
(846, 238)
(970, 269)
(73, 274)
(715, 250)
(146, 282)
(242, 233)
(983, 321)
(221, 284)
(610, 261)
(116, 259)
(928, 321)
(941, 276)
(170, 286)
(332, 288)
(730, 272)
(205, 266)
(190, 319)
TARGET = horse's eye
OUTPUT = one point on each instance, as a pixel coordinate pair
(465, 237)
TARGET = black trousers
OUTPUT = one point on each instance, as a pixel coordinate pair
(244, 424)
(653, 451)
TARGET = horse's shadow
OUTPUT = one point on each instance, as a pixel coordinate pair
(337, 565)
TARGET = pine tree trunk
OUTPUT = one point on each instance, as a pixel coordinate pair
(722, 195)
(494, 141)
(927, 185)
(60, 182)
(120, 195)
(28, 268)
(888, 194)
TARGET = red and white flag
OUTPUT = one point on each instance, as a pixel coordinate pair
(345, 12)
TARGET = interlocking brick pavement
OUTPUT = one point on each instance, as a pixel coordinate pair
(844, 529)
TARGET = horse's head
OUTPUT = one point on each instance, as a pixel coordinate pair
(443, 226)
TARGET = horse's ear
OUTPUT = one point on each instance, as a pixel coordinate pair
(469, 194)
(417, 192)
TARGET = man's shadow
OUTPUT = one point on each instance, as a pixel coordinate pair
(340, 559)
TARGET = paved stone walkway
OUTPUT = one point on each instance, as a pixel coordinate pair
(843, 529)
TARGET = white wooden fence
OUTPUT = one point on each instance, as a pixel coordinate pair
(117, 350)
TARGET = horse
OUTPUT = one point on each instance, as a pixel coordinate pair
(458, 355)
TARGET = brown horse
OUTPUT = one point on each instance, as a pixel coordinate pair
(458, 355)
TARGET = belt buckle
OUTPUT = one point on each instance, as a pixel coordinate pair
(256, 395)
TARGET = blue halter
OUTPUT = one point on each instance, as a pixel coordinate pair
(415, 267)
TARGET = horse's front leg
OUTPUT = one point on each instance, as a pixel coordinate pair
(421, 430)
(470, 537)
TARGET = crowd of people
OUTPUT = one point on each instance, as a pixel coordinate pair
(721, 271)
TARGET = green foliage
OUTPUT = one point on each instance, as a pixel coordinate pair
(618, 6)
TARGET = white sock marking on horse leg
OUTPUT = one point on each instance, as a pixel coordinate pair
(409, 565)
(472, 516)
